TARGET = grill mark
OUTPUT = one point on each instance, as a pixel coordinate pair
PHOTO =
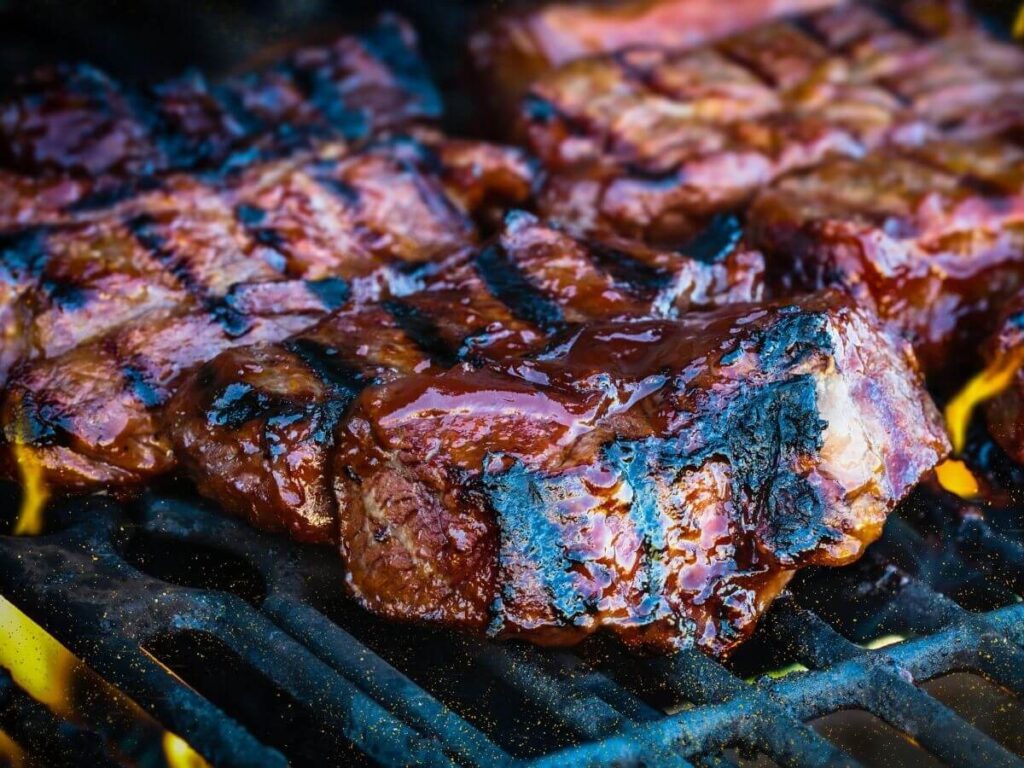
(23, 252)
(64, 294)
(329, 366)
(506, 283)
(716, 240)
(231, 103)
(332, 292)
(142, 228)
(384, 41)
(140, 386)
(898, 21)
(422, 331)
(237, 404)
(147, 113)
(111, 196)
(347, 194)
(640, 279)
(321, 91)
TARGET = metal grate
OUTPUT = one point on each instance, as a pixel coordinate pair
(242, 643)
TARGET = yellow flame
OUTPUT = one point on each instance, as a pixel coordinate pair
(38, 663)
(35, 492)
(1018, 25)
(956, 478)
(179, 754)
(883, 642)
(987, 384)
(53, 675)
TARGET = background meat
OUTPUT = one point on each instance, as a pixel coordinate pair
(651, 141)
(75, 119)
(933, 238)
(514, 47)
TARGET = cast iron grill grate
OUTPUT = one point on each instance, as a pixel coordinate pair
(243, 644)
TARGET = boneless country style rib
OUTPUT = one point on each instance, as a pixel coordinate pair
(546, 467)
(632, 377)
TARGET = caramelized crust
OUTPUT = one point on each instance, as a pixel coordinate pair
(503, 302)
(650, 141)
(121, 306)
(659, 478)
(932, 238)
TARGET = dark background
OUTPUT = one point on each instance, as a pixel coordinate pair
(148, 39)
(152, 39)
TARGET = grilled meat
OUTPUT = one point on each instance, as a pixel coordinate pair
(117, 308)
(932, 238)
(255, 426)
(76, 120)
(649, 142)
(513, 48)
(662, 478)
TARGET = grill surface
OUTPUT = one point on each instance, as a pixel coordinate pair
(244, 645)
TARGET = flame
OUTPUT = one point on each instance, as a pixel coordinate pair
(1018, 25)
(956, 478)
(179, 754)
(37, 663)
(996, 377)
(54, 676)
(883, 642)
(11, 754)
(35, 492)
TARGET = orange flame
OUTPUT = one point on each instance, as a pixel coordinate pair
(1018, 25)
(54, 676)
(954, 475)
(956, 478)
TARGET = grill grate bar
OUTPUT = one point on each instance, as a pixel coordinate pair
(286, 637)
(382, 681)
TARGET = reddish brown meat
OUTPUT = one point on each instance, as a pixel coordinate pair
(254, 427)
(661, 478)
(118, 308)
(932, 238)
(512, 48)
(649, 142)
(77, 120)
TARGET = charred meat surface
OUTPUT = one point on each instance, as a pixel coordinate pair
(650, 141)
(513, 47)
(255, 427)
(118, 308)
(931, 237)
(659, 478)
